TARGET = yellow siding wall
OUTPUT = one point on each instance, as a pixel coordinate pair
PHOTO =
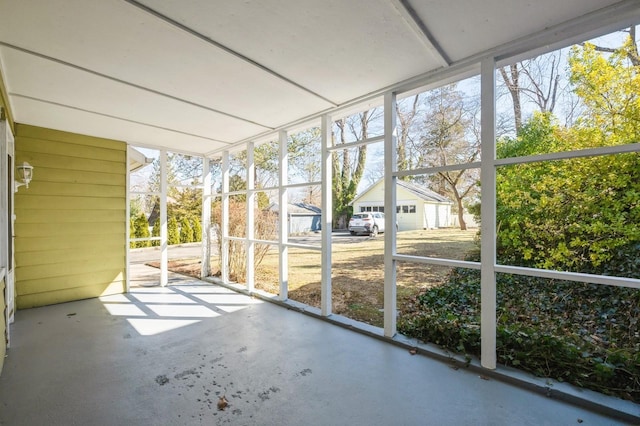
(71, 222)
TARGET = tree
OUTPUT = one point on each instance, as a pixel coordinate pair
(582, 214)
(305, 162)
(630, 49)
(348, 171)
(538, 80)
(173, 233)
(142, 230)
(197, 229)
(609, 88)
(512, 81)
(449, 136)
(186, 231)
(185, 202)
(155, 232)
(132, 232)
(407, 112)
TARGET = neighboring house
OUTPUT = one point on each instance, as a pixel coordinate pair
(302, 217)
(417, 207)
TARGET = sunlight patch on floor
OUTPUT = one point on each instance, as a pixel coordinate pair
(155, 310)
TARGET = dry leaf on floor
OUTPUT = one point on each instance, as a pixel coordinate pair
(484, 378)
(222, 403)
(413, 351)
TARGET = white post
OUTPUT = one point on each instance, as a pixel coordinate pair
(390, 168)
(327, 216)
(127, 214)
(488, 215)
(282, 219)
(164, 243)
(205, 264)
(224, 215)
(251, 201)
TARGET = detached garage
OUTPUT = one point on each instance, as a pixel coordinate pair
(417, 207)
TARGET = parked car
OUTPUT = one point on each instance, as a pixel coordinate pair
(366, 223)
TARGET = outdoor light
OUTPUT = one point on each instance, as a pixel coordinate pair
(25, 174)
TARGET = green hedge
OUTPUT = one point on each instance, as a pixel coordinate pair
(584, 334)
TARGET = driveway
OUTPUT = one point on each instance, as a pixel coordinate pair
(194, 250)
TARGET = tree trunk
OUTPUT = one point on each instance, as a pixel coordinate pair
(513, 85)
(405, 120)
(463, 224)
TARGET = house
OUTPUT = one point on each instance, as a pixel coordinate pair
(417, 207)
(301, 217)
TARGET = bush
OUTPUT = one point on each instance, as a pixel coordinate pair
(265, 229)
(141, 230)
(584, 334)
(197, 229)
(173, 233)
(132, 232)
(186, 231)
(577, 215)
(155, 232)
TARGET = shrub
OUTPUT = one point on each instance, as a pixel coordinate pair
(584, 334)
(155, 232)
(186, 231)
(581, 215)
(265, 229)
(173, 233)
(141, 230)
(197, 229)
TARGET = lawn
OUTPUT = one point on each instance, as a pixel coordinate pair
(358, 271)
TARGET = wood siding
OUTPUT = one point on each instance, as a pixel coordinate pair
(71, 222)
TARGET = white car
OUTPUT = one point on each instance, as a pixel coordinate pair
(366, 223)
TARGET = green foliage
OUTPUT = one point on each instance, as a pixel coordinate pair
(348, 166)
(155, 232)
(173, 232)
(197, 229)
(584, 334)
(186, 231)
(141, 230)
(609, 87)
(580, 215)
(185, 203)
(132, 232)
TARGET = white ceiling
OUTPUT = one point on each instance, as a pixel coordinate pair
(198, 76)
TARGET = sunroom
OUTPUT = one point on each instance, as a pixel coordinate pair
(277, 103)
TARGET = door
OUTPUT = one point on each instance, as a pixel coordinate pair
(6, 221)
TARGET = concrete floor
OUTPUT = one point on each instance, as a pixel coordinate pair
(163, 356)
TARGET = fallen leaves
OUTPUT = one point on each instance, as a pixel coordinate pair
(222, 403)
(413, 351)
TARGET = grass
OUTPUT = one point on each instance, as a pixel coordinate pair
(358, 271)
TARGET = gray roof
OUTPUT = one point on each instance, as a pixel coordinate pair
(298, 208)
(423, 193)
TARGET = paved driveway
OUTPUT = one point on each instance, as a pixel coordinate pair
(194, 250)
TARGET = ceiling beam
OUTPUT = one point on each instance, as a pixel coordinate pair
(115, 117)
(230, 51)
(130, 84)
(413, 21)
(596, 23)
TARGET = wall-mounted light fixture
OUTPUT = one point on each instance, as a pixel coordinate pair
(25, 174)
